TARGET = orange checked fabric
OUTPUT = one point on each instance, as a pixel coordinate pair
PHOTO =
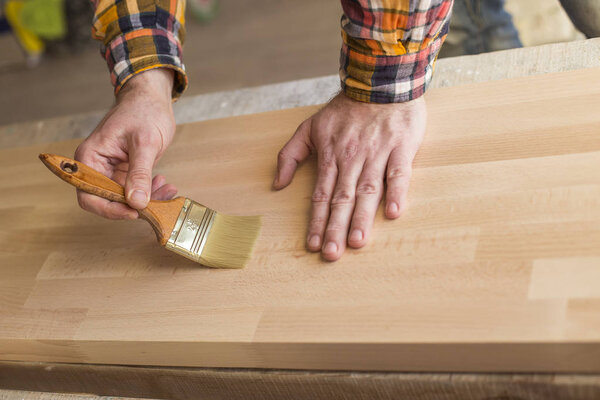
(390, 46)
(139, 35)
(388, 51)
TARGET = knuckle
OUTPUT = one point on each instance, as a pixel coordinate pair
(83, 151)
(154, 141)
(326, 159)
(371, 144)
(316, 222)
(334, 228)
(106, 211)
(105, 141)
(304, 125)
(350, 150)
(399, 172)
(80, 150)
(368, 187)
(139, 175)
(109, 212)
(320, 196)
(342, 196)
(281, 156)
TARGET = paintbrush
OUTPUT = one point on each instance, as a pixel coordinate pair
(181, 225)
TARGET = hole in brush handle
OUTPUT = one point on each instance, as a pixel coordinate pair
(68, 167)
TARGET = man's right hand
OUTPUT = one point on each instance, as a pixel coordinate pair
(128, 141)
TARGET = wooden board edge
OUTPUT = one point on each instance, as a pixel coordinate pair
(579, 357)
(192, 383)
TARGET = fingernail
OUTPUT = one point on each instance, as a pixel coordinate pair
(356, 235)
(314, 241)
(139, 196)
(392, 208)
(330, 248)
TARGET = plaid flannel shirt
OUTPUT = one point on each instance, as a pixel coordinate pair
(390, 47)
(388, 51)
(139, 35)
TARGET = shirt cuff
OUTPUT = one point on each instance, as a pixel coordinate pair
(141, 50)
(387, 78)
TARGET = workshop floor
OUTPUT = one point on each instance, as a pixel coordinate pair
(250, 43)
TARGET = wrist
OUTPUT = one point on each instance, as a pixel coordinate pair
(407, 104)
(156, 83)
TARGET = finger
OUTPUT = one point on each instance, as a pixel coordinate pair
(342, 206)
(161, 190)
(105, 208)
(157, 182)
(138, 185)
(86, 154)
(119, 173)
(165, 192)
(326, 177)
(369, 191)
(291, 155)
(399, 172)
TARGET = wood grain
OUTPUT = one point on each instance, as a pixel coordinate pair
(505, 200)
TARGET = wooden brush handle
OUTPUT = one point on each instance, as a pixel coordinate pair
(160, 214)
(83, 177)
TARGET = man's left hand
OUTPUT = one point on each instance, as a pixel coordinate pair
(359, 146)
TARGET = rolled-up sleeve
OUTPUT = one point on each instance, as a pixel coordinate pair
(390, 46)
(139, 35)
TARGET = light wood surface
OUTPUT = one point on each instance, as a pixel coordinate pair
(493, 268)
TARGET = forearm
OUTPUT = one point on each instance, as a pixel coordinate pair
(388, 54)
(141, 35)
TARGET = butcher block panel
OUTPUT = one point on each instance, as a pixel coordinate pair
(495, 266)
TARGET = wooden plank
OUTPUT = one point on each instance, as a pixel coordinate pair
(505, 198)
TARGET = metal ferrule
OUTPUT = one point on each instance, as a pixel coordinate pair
(191, 230)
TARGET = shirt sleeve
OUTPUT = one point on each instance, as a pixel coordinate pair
(139, 35)
(390, 46)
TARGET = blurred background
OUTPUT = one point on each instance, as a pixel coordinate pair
(50, 67)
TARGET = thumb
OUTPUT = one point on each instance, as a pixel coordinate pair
(138, 183)
(293, 153)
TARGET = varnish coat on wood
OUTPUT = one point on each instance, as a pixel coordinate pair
(494, 267)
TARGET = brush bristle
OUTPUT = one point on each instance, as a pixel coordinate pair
(230, 241)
